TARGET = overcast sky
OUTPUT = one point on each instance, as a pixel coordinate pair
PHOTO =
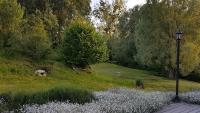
(129, 3)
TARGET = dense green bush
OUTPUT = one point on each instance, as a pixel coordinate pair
(71, 95)
(139, 84)
(35, 42)
(83, 45)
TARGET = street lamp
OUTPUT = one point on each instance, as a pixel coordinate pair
(178, 39)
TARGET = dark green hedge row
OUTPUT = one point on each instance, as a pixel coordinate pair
(56, 94)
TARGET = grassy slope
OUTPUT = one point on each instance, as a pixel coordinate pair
(16, 75)
(151, 82)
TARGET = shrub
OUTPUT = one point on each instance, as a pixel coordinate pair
(83, 45)
(139, 84)
(34, 43)
(56, 94)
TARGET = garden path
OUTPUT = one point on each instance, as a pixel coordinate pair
(180, 108)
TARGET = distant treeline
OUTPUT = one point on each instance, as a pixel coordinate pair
(50, 29)
(145, 36)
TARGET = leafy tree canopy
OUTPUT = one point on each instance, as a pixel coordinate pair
(11, 15)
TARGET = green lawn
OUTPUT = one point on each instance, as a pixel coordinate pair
(18, 76)
(151, 81)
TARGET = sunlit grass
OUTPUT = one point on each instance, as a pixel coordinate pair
(151, 81)
(18, 76)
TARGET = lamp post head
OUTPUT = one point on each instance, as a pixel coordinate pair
(179, 35)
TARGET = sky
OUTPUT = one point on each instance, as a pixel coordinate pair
(132, 3)
(129, 3)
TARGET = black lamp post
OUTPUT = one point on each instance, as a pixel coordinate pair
(178, 39)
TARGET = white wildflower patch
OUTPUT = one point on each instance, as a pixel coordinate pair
(2, 101)
(191, 97)
(111, 101)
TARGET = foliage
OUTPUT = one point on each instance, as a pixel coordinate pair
(56, 14)
(32, 5)
(155, 37)
(56, 94)
(11, 14)
(34, 43)
(65, 10)
(83, 45)
(123, 51)
(152, 28)
(51, 26)
(122, 45)
(139, 83)
(109, 14)
(151, 43)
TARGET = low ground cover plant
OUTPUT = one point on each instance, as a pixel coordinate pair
(111, 101)
(191, 97)
(72, 95)
(116, 101)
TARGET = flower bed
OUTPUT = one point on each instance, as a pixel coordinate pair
(191, 97)
(115, 101)
(111, 101)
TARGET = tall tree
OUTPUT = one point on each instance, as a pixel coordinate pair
(109, 14)
(62, 10)
(34, 42)
(151, 42)
(11, 14)
(155, 34)
(123, 46)
(51, 26)
(32, 5)
(65, 10)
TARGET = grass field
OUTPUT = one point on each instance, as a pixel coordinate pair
(151, 79)
(18, 76)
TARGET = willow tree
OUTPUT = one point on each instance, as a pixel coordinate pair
(155, 34)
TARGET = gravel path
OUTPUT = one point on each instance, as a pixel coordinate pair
(180, 108)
